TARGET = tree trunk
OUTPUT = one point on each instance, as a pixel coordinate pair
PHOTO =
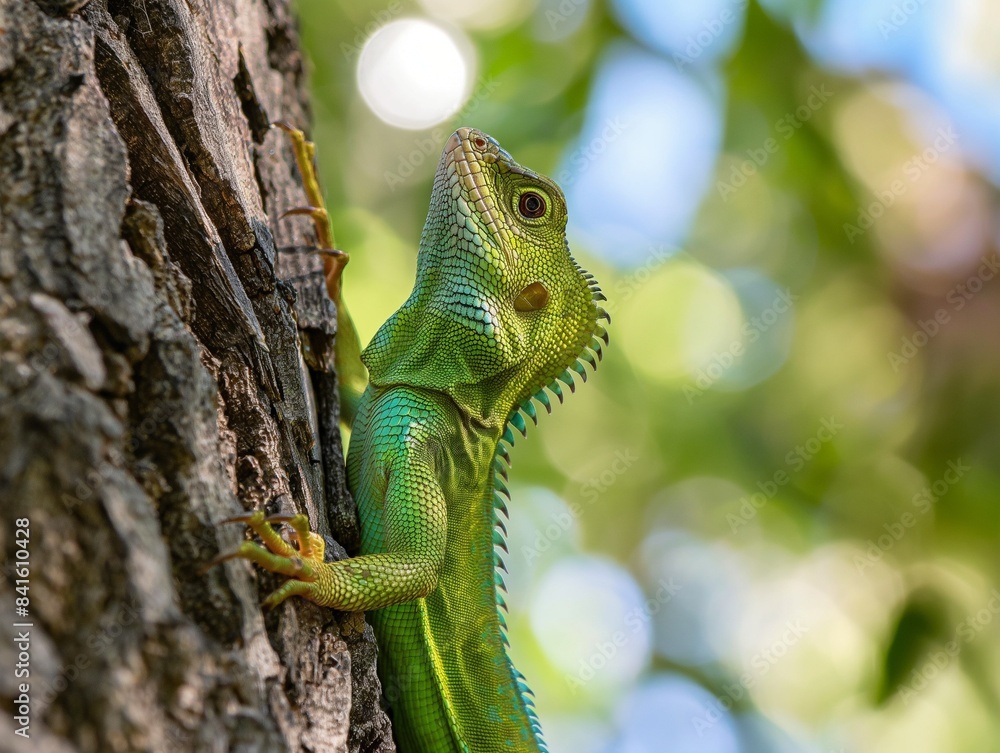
(163, 366)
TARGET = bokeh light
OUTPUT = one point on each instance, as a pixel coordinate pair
(559, 19)
(682, 321)
(690, 34)
(669, 712)
(609, 639)
(479, 14)
(413, 74)
(792, 208)
(700, 622)
(635, 175)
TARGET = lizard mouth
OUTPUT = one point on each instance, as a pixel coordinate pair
(464, 155)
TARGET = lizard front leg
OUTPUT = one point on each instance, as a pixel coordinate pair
(415, 520)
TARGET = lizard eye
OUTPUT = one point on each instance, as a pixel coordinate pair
(531, 205)
(480, 142)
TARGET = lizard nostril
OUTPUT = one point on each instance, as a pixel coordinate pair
(480, 142)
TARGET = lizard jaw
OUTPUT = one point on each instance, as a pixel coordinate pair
(464, 154)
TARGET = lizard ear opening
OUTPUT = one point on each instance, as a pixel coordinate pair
(532, 298)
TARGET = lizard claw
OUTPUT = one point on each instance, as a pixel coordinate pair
(277, 555)
(285, 126)
(247, 518)
(219, 559)
(317, 213)
(280, 518)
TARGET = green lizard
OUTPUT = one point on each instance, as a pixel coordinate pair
(499, 314)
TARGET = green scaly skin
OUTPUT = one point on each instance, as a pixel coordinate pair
(499, 313)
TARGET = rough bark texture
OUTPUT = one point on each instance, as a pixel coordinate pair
(157, 376)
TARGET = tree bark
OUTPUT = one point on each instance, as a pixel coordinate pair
(163, 366)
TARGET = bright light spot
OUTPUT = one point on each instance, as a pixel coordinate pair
(857, 35)
(693, 34)
(800, 644)
(857, 379)
(412, 74)
(678, 320)
(760, 733)
(672, 713)
(961, 70)
(929, 213)
(636, 176)
(479, 14)
(968, 41)
(542, 530)
(610, 641)
(769, 324)
(580, 733)
(699, 625)
(558, 19)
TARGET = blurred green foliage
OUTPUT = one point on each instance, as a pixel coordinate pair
(864, 531)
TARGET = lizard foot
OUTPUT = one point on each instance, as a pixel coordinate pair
(334, 260)
(303, 566)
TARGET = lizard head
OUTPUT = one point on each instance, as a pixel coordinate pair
(500, 308)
